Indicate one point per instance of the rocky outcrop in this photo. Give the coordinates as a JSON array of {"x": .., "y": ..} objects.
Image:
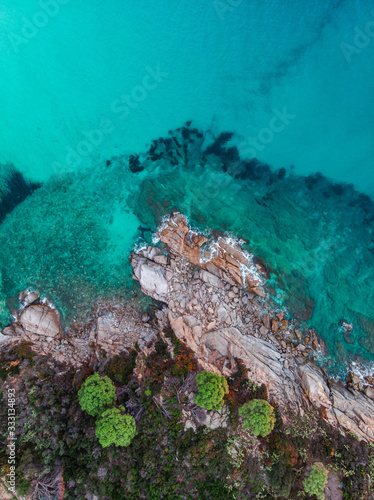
[
  {"x": 222, "y": 258},
  {"x": 113, "y": 328},
  {"x": 220, "y": 317},
  {"x": 35, "y": 321}
]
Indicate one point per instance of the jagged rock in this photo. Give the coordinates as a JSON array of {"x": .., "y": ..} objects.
[
  {"x": 353, "y": 380},
  {"x": 314, "y": 340},
  {"x": 263, "y": 330},
  {"x": 161, "y": 259},
  {"x": 266, "y": 321},
  {"x": 369, "y": 391},
  {"x": 190, "y": 424},
  {"x": 118, "y": 328},
  {"x": 150, "y": 252},
  {"x": 225, "y": 263},
  {"x": 218, "y": 418},
  {"x": 9, "y": 331},
  {"x": 146, "y": 338},
  {"x": 274, "y": 325},
  {"x": 212, "y": 419},
  {"x": 222, "y": 314},
  {"x": 298, "y": 334},
  {"x": 348, "y": 327},
  {"x": 313, "y": 383},
  {"x": 211, "y": 279}
]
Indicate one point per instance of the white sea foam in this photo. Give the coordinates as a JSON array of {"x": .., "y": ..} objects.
[
  {"x": 139, "y": 246},
  {"x": 213, "y": 247},
  {"x": 362, "y": 371},
  {"x": 163, "y": 224}
]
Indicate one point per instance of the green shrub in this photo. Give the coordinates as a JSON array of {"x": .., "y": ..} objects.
[
  {"x": 212, "y": 389},
  {"x": 280, "y": 478},
  {"x": 115, "y": 427},
  {"x": 316, "y": 482},
  {"x": 96, "y": 394},
  {"x": 258, "y": 417}
]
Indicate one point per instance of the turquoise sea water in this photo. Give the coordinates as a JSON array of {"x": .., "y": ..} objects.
[{"x": 83, "y": 84}]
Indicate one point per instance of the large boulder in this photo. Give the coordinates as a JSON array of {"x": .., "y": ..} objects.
[
  {"x": 151, "y": 276},
  {"x": 41, "y": 319}
]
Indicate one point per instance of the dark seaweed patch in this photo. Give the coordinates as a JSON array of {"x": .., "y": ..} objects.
[
  {"x": 135, "y": 165},
  {"x": 15, "y": 191}
]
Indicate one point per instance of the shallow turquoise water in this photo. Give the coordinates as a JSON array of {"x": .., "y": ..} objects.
[{"x": 82, "y": 84}]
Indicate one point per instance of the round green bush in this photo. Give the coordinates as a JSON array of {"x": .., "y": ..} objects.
[
  {"x": 212, "y": 389},
  {"x": 258, "y": 417},
  {"x": 115, "y": 427},
  {"x": 316, "y": 482},
  {"x": 96, "y": 394}
]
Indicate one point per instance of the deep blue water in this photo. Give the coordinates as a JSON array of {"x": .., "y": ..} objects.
[{"x": 83, "y": 84}]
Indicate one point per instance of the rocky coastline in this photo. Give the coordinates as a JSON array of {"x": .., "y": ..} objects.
[
  {"x": 212, "y": 295},
  {"x": 214, "y": 307}
]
